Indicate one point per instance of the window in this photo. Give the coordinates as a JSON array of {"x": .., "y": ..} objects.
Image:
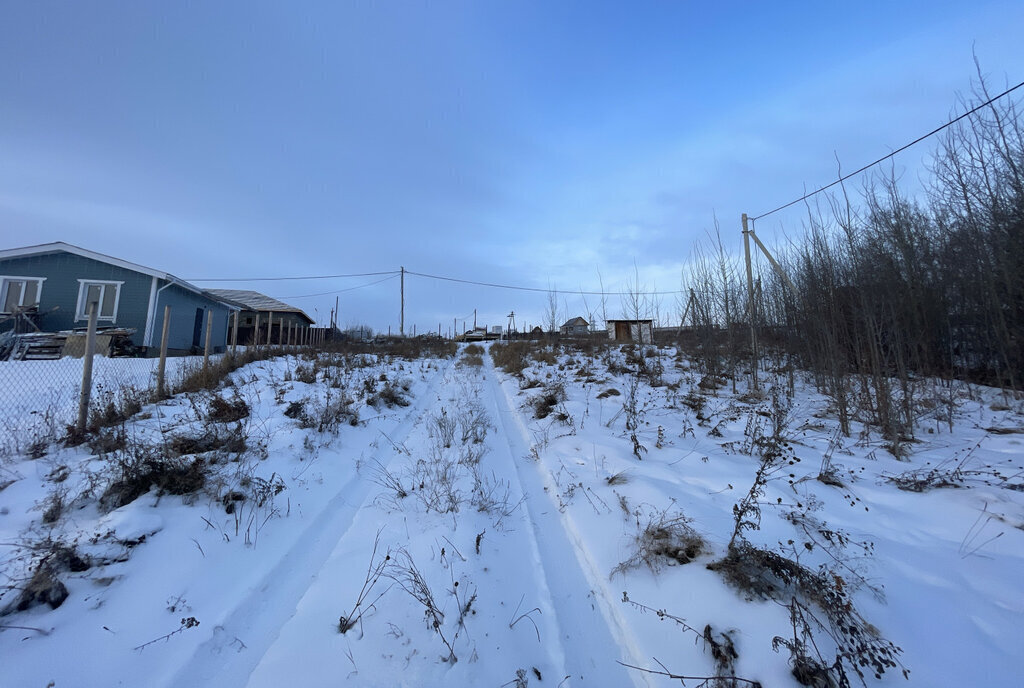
[
  {"x": 104, "y": 294},
  {"x": 18, "y": 292}
]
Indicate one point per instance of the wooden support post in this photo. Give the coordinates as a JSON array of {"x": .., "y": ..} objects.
[
  {"x": 270, "y": 328},
  {"x": 161, "y": 368},
  {"x": 750, "y": 304},
  {"x": 256, "y": 332},
  {"x": 234, "y": 334},
  {"x": 90, "y": 350}
]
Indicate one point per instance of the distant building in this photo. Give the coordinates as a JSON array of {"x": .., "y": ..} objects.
[
  {"x": 257, "y": 307},
  {"x": 574, "y": 328},
  {"x": 641, "y": 331}
]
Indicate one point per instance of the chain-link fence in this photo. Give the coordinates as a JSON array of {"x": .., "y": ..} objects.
[
  {"x": 42, "y": 380},
  {"x": 39, "y": 400}
]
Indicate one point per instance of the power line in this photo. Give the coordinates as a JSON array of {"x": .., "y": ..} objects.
[
  {"x": 340, "y": 291},
  {"x": 391, "y": 274},
  {"x": 281, "y": 279},
  {"x": 539, "y": 289},
  {"x": 898, "y": 150}
]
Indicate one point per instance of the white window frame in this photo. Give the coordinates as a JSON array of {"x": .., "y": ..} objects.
[
  {"x": 5, "y": 281},
  {"x": 83, "y": 290}
]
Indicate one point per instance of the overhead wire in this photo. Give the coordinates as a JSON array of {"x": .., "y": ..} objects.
[
  {"x": 540, "y": 290},
  {"x": 340, "y": 291},
  {"x": 919, "y": 139},
  {"x": 307, "y": 277}
]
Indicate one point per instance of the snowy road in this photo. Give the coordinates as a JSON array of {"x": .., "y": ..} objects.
[{"x": 281, "y": 621}]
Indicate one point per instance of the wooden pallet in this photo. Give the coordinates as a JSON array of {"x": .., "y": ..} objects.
[{"x": 38, "y": 347}]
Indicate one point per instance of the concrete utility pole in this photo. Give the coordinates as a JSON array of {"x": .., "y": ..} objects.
[
  {"x": 401, "y": 322},
  {"x": 750, "y": 302}
]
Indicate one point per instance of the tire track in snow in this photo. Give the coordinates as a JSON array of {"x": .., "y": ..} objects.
[
  {"x": 269, "y": 604},
  {"x": 593, "y": 634}
]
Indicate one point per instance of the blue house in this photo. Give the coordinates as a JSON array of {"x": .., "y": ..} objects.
[{"x": 53, "y": 284}]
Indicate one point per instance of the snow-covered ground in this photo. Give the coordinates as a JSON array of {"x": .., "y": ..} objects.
[{"x": 395, "y": 522}]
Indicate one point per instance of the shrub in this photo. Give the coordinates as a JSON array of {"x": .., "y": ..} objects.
[
  {"x": 139, "y": 467},
  {"x": 545, "y": 402},
  {"x": 763, "y": 574},
  {"x": 44, "y": 586},
  {"x": 223, "y": 411},
  {"x": 390, "y": 395},
  {"x": 667, "y": 538},
  {"x": 510, "y": 357}
]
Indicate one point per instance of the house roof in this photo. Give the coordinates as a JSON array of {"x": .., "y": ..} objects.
[
  {"x": 60, "y": 246},
  {"x": 255, "y": 301},
  {"x": 576, "y": 322}
]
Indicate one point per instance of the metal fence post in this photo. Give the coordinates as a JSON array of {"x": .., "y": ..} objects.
[
  {"x": 90, "y": 349},
  {"x": 161, "y": 368}
]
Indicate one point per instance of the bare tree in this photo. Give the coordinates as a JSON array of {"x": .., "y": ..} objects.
[{"x": 551, "y": 314}]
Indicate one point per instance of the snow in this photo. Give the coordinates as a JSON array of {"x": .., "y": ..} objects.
[{"x": 514, "y": 534}]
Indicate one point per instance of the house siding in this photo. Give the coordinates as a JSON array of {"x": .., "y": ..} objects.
[
  {"x": 59, "y": 299},
  {"x": 184, "y": 305},
  {"x": 63, "y": 272}
]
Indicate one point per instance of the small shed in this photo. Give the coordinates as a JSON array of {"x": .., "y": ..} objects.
[
  {"x": 574, "y": 328},
  {"x": 640, "y": 331}
]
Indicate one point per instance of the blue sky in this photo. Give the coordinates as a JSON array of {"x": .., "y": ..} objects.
[{"x": 529, "y": 143}]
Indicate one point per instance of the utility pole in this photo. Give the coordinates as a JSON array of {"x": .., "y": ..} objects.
[
  {"x": 401, "y": 322},
  {"x": 474, "y": 318},
  {"x": 750, "y": 302},
  {"x": 335, "y": 312}
]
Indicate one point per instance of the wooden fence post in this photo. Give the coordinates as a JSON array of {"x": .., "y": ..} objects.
[
  {"x": 90, "y": 349},
  {"x": 206, "y": 347},
  {"x": 161, "y": 368}
]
